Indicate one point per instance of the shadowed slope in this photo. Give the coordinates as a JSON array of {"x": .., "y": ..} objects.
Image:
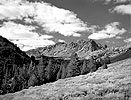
[
  {"x": 18, "y": 71},
  {"x": 12, "y": 62},
  {"x": 113, "y": 83},
  {"x": 121, "y": 56}
]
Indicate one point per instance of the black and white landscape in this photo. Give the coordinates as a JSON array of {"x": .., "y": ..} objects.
[{"x": 65, "y": 50}]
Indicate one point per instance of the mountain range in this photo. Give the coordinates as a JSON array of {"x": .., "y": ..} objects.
[
  {"x": 20, "y": 70},
  {"x": 113, "y": 83},
  {"x": 62, "y": 49}
]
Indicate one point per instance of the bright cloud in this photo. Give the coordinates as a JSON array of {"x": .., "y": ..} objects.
[
  {"x": 121, "y": 8},
  {"x": 111, "y": 30},
  {"x": 11, "y": 30},
  {"x": 61, "y": 40},
  {"x": 28, "y": 44},
  {"x": 127, "y": 40},
  {"x": 11, "y": 2},
  {"x": 124, "y": 9},
  {"x": 23, "y": 36},
  {"x": 51, "y": 18},
  {"x": 54, "y": 19},
  {"x": 15, "y": 10},
  {"x": 119, "y": 37}
]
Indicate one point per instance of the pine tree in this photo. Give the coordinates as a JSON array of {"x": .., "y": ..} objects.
[
  {"x": 85, "y": 67},
  {"x": 105, "y": 46},
  {"x": 48, "y": 72},
  {"x": 59, "y": 74},
  {"x": 92, "y": 65},
  {"x": 72, "y": 68}
]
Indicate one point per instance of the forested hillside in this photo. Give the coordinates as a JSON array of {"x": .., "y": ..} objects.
[
  {"x": 19, "y": 71},
  {"x": 113, "y": 83}
]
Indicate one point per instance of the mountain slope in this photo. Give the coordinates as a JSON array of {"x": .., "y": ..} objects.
[
  {"x": 12, "y": 62},
  {"x": 113, "y": 83},
  {"x": 62, "y": 49},
  {"x": 121, "y": 56},
  {"x": 19, "y": 71},
  {"x": 5, "y": 43}
]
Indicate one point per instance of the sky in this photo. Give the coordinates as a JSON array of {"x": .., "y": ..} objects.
[{"x": 38, "y": 23}]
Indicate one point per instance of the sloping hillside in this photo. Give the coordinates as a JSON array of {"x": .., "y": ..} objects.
[
  {"x": 6, "y": 44},
  {"x": 121, "y": 56},
  {"x": 12, "y": 63},
  {"x": 113, "y": 83}
]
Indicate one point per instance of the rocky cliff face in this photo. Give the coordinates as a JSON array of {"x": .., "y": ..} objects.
[
  {"x": 49, "y": 69},
  {"x": 19, "y": 71},
  {"x": 62, "y": 49}
]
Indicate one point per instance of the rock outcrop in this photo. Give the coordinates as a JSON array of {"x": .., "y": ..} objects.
[
  {"x": 62, "y": 49},
  {"x": 49, "y": 69}
]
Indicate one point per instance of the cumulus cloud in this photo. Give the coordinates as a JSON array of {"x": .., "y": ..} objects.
[
  {"x": 122, "y": 6},
  {"x": 11, "y": 30},
  {"x": 27, "y": 44},
  {"x": 14, "y": 10},
  {"x": 111, "y": 30},
  {"x": 24, "y": 36},
  {"x": 127, "y": 40},
  {"x": 124, "y": 9},
  {"x": 11, "y": 2},
  {"x": 54, "y": 19},
  {"x": 51, "y": 18}
]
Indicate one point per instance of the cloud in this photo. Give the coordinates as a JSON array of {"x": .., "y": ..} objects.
[
  {"x": 11, "y": 2},
  {"x": 28, "y": 44},
  {"x": 45, "y": 37},
  {"x": 14, "y": 10},
  {"x": 12, "y": 30},
  {"x": 124, "y": 9},
  {"x": 24, "y": 36},
  {"x": 110, "y": 30},
  {"x": 121, "y": 6},
  {"x": 54, "y": 19},
  {"x": 61, "y": 40},
  {"x": 127, "y": 40},
  {"x": 107, "y": 41},
  {"x": 119, "y": 37},
  {"x": 51, "y": 18}
]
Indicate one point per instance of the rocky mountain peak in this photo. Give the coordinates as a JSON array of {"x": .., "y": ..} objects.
[{"x": 66, "y": 49}]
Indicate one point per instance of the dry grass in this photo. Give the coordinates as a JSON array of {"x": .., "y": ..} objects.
[{"x": 113, "y": 83}]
